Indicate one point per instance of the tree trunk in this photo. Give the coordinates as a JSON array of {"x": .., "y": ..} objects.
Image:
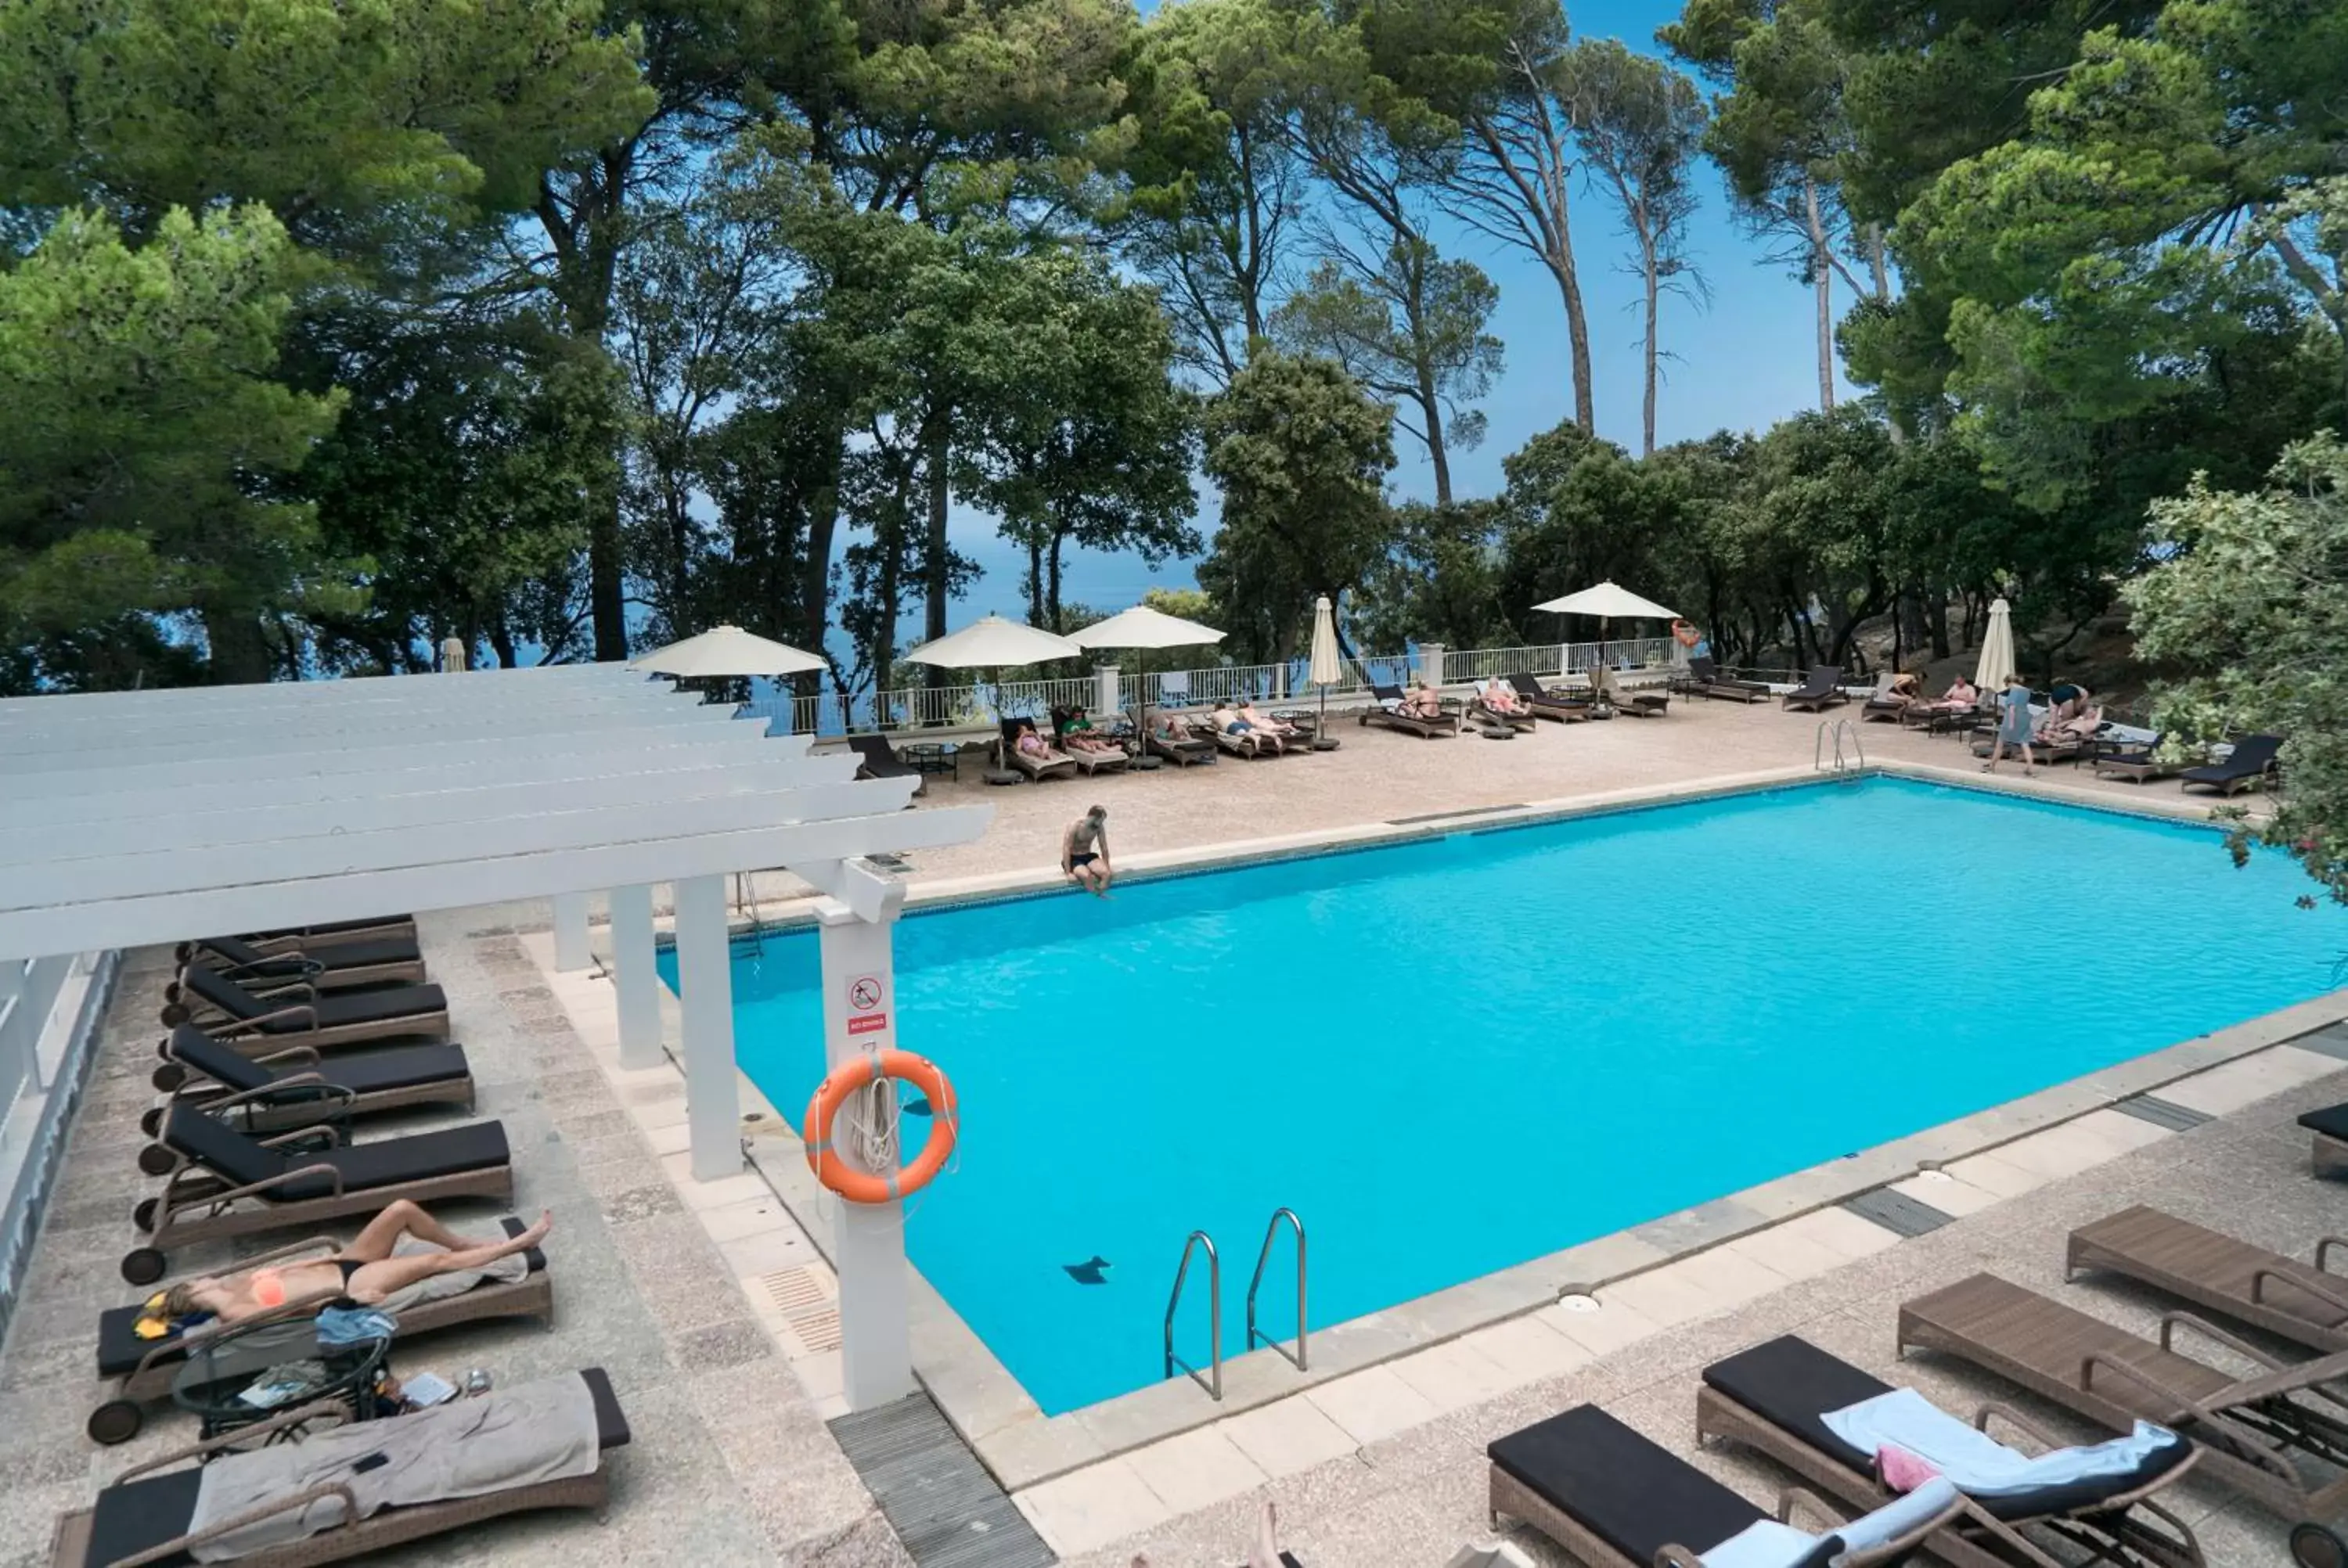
[
  {"x": 815, "y": 569},
  {"x": 1034, "y": 579},
  {"x": 1577, "y": 329},
  {"x": 239, "y": 652},
  {"x": 1431, "y": 401},
  {"x": 1052, "y": 591},
  {"x": 937, "y": 584},
  {"x": 1822, "y": 279},
  {"x": 1647, "y": 255},
  {"x": 1936, "y": 620}
]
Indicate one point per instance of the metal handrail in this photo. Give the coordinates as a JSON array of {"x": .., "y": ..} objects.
[
  {"x": 1263, "y": 1256},
  {"x": 1214, "y": 1315},
  {"x": 1856, "y": 762}
]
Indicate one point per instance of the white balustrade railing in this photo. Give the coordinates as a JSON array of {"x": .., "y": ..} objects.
[
  {"x": 966, "y": 703},
  {"x": 48, "y": 1019}
]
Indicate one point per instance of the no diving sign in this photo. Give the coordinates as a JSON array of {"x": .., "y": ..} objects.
[{"x": 866, "y": 1014}]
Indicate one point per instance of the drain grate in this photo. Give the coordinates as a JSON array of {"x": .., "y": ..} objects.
[
  {"x": 937, "y": 1497},
  {"x": 1897, "y": 1211},
  {"x": 2161, "y": 1113},
  {"x": 807, "y": 1305}
]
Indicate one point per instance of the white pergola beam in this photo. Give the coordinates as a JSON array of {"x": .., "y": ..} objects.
[
  {"x": 142, "y": 831},
  {"x": 548, "y": 771},
  {"x": 357, "y": 719},
  {"x": 260, "y": 749},
  {"x": 438, "y": 843},
  {"x": 290, "y": 695},
  {"x": 457, "y": 758},
  {"x": 161, "y": 918}
]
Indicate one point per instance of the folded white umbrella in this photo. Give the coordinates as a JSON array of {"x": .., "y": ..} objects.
[
  {"x": 1142, "y": 627},
  {"x": 1608, "y": 601},
  {"x": 994, "y": 643},
  {"x": 1996, "y": 648},
  {"x": 726, "y": 650},
  {"x": 1326, "y": 670}
]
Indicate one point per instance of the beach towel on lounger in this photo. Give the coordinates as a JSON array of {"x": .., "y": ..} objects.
[
  {"x": 1979, "y": 1464},
  {"x": 516, "y": 1437}
]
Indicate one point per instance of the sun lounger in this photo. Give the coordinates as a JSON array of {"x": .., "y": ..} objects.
[
  {"x": 2255, "y": 1433},
  {"x": 383, "y": 927},
  {"x": 224, "y": 1183},
  {"x": 2252, "y": 759},
  {"x": 1191, "y": 748},
  {"x": 2138, "y": 762},
  {"x": 1612, "y": 1499},
  {"x": 1394, "y": 718},
  {"x": 1091, "y": 762},
  {"x": 1823, "y": 689},
  {"x": 339, "y": 966},
  {"x": 1640, "y": 702},
  {"x": 1483, "y": 712},
  {"x": 2302, "y": 1303},
  {"x": 875, "y": 759},
  {"x": 1773, "y": 1397},
  {"x": 1051, "y": 764},
  {"x": 260, "y": 1022},
  {"x": 1706, "y": 678},
  {"x": 1566, "y": 707},
  {"x": 1886, "y": 703},
  {"x": 2063, "y": 746},
  {"x": 292, "y": 1087},
  {"x": 148, "y": 1513},
  {"x": 2329, "y": 1128},
  {"x": 141, "y": 1369}
]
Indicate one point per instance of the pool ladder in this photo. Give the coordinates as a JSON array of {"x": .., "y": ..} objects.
[
  {"x": 1853, "y": 761},
  {"x": 1211, "y": 1379}
]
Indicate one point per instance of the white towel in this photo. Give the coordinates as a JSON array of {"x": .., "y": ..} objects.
[
  {"x": 1765, "y": 1543},
  {"x": 1979, "y": 1464}
]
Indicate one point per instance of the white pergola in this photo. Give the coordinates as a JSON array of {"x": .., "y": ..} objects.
[{"x": 131, "y": 818}]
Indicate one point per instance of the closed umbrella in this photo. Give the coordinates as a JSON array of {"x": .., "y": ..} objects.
[
  {"x": 1144, "y": 628},
  {"x": 1326, "y": 669},
  {"x": 992, "y": 643},
  {"x": 726, "y": 650},
  {"x": 1996, "y": 648},
  {"x": 1608, "y": 602}
]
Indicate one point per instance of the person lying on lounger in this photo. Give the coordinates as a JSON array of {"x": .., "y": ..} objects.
[
  {"x": 1172, "y": 726},
  {"x": 1231, "y": 722},
  {"x": 2079, "y": 726},
  {"x": 1080, "y": 736},
  {"x": 1500, "y": 698},
  {"x": 1031, "y": 744},
  {"x": 1279, "y": 730},
  {"x": 362, "y": 1273},
  {"x": 1962, "y": 695}
]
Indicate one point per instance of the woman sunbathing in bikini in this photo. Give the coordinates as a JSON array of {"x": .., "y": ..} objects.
[
  {"x": 363, "y": 1273},
  {"x": 1420, "y": 702},
  {"x": 1501, "y": 699}
]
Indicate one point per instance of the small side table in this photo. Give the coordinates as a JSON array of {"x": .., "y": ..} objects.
[{"x": 211, "y": 1384}]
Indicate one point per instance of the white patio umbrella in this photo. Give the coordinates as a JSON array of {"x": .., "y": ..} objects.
[
  {"x": 726, "y": 650},
  {"x": 1142, "y": 627},
  {"x": 1608, "y": 602},
  {"x": 1996, "y": 648},
  {"x": 1326, "y": 669},
  {"x": 992, "y": 643}
]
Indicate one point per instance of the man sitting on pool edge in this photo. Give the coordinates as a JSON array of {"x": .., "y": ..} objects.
[{"x": 1083, "y": 852}]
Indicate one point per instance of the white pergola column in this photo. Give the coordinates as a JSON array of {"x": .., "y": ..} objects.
[
  {"x": 634, "y": 977},
  {"x": 1430, "y": 665},
  {"x": 859, "y": 1015},
  {"x": 713, "y": 1101},
  {"x": 1105, "y": 691},
  {"x": 571, "y": 950}
]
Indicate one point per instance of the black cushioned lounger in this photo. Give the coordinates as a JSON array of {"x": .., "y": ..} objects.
[
  {"x": 1775, "y": 1397},
  {"x": 2330, "y": 1126},
  {"x": 222, "y": 1183},
  {"x": 293, "y": 1089},
  {"x": 297, "y": 1015},
  {"x": 2246, "y": 765},
  {"x": 366, "y": 961},
  {"x": 144, "y": 1513}
]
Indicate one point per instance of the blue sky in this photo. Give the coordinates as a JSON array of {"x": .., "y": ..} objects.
[{"x": 1746, "y": 359}]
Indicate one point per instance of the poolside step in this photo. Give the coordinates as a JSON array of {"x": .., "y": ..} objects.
[
  {"x": 2161, "y": 1113},
  {"x": 1897, "y": 1211},
  {"x": 937, "y": 1497}
]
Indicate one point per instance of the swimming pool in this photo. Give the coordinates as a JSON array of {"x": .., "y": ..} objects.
[{"x": 1458, "y": 1054}]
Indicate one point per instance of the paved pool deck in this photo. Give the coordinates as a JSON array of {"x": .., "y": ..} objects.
[{"x": 712, "y": 1308}]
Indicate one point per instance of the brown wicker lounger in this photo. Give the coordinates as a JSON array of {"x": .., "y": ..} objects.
[
  {"x": 2329, "y": 1128},
  {"x": 262, "y": 1023},
  {"x": 222, "y": 1183},
  {"x": 1418, "y": 725},
  {"x": 2304, "y": 1304},
  {"x": 1565, "y": 707},
  {"x": 141, "y": 1369},
  {"x": 143, "y": 1515},
  {"x": 1614, "y": 1499},
  {"x": 341, "y": 966},
  {"x": 1482, "y": 713},
  {"x": 1773, "y": 1397},
  {"x": 292, "y": 1087},
  {"x": 2253, "y": 1431}
]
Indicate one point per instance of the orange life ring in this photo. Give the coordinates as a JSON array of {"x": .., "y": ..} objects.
[
  {"x": 862, "y": 1186},
  {"x": 1688, "y": 635}
]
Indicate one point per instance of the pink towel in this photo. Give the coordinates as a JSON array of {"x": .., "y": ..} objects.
[{"x": 1901, "y": 1471}]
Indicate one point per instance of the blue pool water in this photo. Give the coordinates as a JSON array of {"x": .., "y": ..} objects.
[{"x": 1456, "y": 1055}]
